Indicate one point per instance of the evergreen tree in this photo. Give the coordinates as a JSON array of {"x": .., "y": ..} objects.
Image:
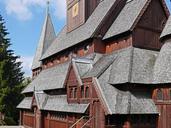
[{"x": 11, "y": 78}]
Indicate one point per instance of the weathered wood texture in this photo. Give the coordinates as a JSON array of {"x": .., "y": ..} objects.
[
  {"x": 85, "y": 9},
  {"x": 147, "y": 32},
  {"x": 162, "y": 98}
]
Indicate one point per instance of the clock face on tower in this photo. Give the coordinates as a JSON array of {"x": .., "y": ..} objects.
[{"x": 75, "y": 10}]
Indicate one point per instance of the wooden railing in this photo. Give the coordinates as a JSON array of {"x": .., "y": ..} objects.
[
  {"x": 87, "y": 122},
  {"x": 78, "y": 121}
]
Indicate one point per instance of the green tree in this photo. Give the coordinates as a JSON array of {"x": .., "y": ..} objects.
[{"x": 11, "y": 78}]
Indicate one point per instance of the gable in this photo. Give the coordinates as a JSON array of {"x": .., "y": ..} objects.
[
  {"x": 72, "y": 78},
  {"x": 34, "y": 103},
  {"x": 150, "y": 25},
  {"x": 126, "y": 18}
]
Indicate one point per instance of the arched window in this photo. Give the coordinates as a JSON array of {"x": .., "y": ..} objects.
[
  {"x": 71, "y": 93},
  {"x": 170, "y": 93},
  {"x": 159, "y": 94},
  {"x": 86, "y": 92},
  {"x": 82, "y": 92},
  {"x": 75, "y": 93}
]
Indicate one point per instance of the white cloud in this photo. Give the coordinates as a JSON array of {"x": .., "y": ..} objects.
[
  {"x": 23, "y": 10},
  {"x": 26, "y": 64}
]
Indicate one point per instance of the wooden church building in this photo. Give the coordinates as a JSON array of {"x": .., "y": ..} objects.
[{"x": 109, "y": 67}]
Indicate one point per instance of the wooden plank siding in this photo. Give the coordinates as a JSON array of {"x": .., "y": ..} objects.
[
  {"x": 147, "y": 32},
  {"x": 162, "y": 98}
]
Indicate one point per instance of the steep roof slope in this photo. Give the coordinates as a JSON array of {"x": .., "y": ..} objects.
[
  {"x": 126, "y": 18},
  {"x": 46, "y": 37},
  {"x": 167, "y": 29},
  {"x": 53, "y": 103},
  {"x": 128, "y": 65},
  {"x": 84, "y": 32},
  {"x": 52, "y": 78},
  {"x": 129, "y": 17},
  {"x": 122, "y": 102}
]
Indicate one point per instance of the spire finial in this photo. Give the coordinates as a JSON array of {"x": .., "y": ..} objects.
[{"x": 48, "y": 3}]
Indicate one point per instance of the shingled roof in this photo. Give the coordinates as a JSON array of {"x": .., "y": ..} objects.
[
  {"x": 59, "y": 103},
  {"x": 122, "y": 102},
  {"x": 25, "y": 103},
  {"x": 53, "y": 103},
  {"x": 162, "y": 68},
  {"x": 129, "y": 65},
  {"x": 126, "y": 18},
  {"x": 48, "y": 79},
  {"x": 123, "y": 23},
  {"x": 167, "y": 29},
  {"x": 46, "y": 37},
  {"x": 65, "y": 40}
]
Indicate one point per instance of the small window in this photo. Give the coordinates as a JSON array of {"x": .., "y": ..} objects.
[
  {"x": 75, "y": 93},
  {"x": 71, "y": 93},
  {"x": 170, "y": 93},
  {"x": 82, "y": 92},
  {"x": 159, "y": 95},
  {"x": 86, "y": 92}
]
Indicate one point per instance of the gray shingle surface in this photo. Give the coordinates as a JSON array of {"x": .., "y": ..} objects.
[
  {"x": 143, "y": 66},
  {"x": 129, "y": 65},
  {"x": 52, "y": 78},
  {"x": 141, "y": 103},
  {"x": 101, "y": 65},
  {"x": 122, "y": 102},
  {"x": 46, "y": 37},
  {"x": 167, "y": 29},
  {"x": 121, "y": 67},
  {"x": 83, "y": 68},
  {"x": 41, "y": 99},
  {"x": 86, "y": 31},
  {"x": 116, "y": 102},
  {"x": 126, "y": 18},
  {"x": 53, "y": 103},
  {"x": 59, "y": 103},
  {"x": 162, "y": 68},
  {"x": 133, "y": 65},
  {"x": 25, "y": 103}
]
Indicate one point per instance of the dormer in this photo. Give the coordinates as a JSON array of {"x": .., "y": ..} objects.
[{"x": 78, "y": 12}]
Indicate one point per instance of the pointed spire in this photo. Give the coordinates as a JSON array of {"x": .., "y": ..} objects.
[
  {"x": 46, "y": 38},
  {"x": 47, "y": 9}
]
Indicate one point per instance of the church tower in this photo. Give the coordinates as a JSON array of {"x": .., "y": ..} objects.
[
  {"x": 78, "y": 12},
  {"x": 46, "y": 38}
]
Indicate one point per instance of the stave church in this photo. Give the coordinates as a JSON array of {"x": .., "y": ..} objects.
[{"x": 109, "y": 67}]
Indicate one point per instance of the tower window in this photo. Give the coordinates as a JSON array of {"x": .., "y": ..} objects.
[{"x": 159, "y": 95}]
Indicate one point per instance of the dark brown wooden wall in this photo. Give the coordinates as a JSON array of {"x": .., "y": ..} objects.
[
  {"x": 86, "y": 7},
  {"x": 147, "y": 32},
  {"x": 28, "y": 119}
]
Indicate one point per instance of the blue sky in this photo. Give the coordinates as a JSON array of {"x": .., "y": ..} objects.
[{"x": 24, "y": 19}]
